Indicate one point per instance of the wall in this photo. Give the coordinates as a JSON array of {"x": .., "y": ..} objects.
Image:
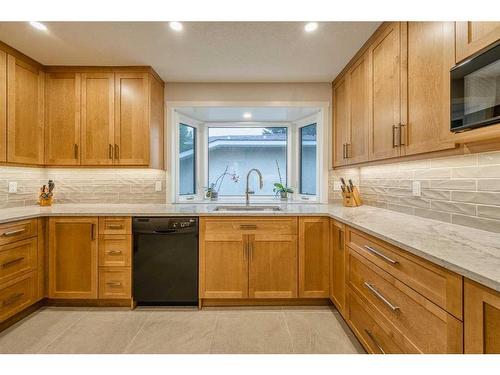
[
  {"x": 85, "y": 185},
  {"x": 463, "y": 190}
]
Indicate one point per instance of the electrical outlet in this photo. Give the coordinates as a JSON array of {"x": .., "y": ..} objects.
[
  {"x": 13, "y": 187},
  {"x": 416, "y": 189},
  {"x": 158, "y": 186},
  {"x": 336, "y": 185}
]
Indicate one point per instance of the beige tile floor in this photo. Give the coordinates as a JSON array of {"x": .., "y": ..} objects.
[{"x": 167, "y": 330}]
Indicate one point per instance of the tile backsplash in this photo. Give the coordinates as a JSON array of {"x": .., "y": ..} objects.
[
  {"x": 462, "y": 189},
  {"x": 82, "y": 185}
]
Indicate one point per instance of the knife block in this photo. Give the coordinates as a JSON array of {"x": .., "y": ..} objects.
[
  {"x": 45, "y": 201},
  {"x": 352, "y": 199}
]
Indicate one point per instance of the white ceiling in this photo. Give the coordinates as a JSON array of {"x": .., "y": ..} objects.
[
  {"x": 202, "y": 52},
  {"x": 235, "y": 114}
]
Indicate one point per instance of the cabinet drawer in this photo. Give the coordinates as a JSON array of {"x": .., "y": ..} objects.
[
  {"x": 261, "y": 225},
  {"x": 376, "y": 334},
  {"x": 115, "y": 225},
  {"x": 114, "y": 283},
  {"x": 115, "y": 250},
  {"x": 17, "y": 259},
  {"x": 16, "y": 295},
  {"x": 18, "y": 230},
  {"x": 442, "y": 287},
  {"x": 427, "y": 326}
]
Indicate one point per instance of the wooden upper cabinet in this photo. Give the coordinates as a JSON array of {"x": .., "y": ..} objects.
[
  {"x": 131, "y": 131},
  {"x": 62, "y": 118},
  {"x": 337, "y": 265},
  {"x": 481, "y": 319},
  {"x": 314, "y": 257},
  {"x": 73, "y": 257},
  {"x": 430, "y": 57},
  {"x": 24, "y": 113},
  {"x": 340, "y": 121},
  {"x": 3, "y": 107},
  {"x": 386, "y": 56},
  {"x": 97, "y": 119},
  {"x": 359, "y": 111},
  {"x": 272, "y": 270},
  {"x": 472, "y": 37}
]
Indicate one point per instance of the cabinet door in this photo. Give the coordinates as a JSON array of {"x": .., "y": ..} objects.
[
  {"x": 430, "y": 57},
  {"x": 24, "y": 112},
  {"x": 73, "y": 258},
  {"x": 471, "y": 37},
  {"x": 224, "y": 266},
  {"x": 97, "y": 118},
  {"x": 273, "y": 266},
  {"x": 359, "y": 111},
  {"x": 385, "y": 70},
  {"x": 131, "y": 119},
  {"x": 481, "y": 319},
  {"x": 337, "y": 261},
  {"x": 3, "y": 107},
  {"x": 62, "y": 118},
  {"x": 314, "y": 257},
  {"x": 340, "y": 121}
]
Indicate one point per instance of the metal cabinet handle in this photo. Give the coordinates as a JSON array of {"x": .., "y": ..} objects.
[
  {"x": 11, "y": 262},
  {"x": 341, "y": 240},
  {"x": 248, "y": 226},
  {"x": 347, "y": 150},
  {"x": 114, "y": 226},
  {"x": 76, "y": 151},
  {"x": 92, "y": 231},
  {"x": 380, "y": 255},
  {"x": 117, "y": 152},
  {"x": 245, "y": 250},
  {"x": 381, "y": 297},
  {"x": 250, "y": 246},
  {"x": 110, "y": 151},
  {"x": 114, "y": 283},
  {"x": 114, "y": 252},
  {"x": 394, "y": 142},
  {"x": 370, "y": 335},
  {"x": 402, "y": 138},
  {"x": 13, "y": 232},
  {"x": 13, "y": 298}
]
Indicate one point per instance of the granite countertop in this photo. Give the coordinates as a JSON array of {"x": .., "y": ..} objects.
[{"x": 470, "y": 252}]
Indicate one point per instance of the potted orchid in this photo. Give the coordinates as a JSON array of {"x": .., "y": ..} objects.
[
  {"x": 212, "y": 191},
  {"x": 280, "y": 188}
]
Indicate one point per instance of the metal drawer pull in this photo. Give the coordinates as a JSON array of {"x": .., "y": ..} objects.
[
  {"x": 13, "y": 298},
  {"x": 13, "y": 233},
  {"x": 379, "y": 254},
  {"x": 114, "y": 283},
  {"x": 381, "y": 297},
  {"x": 370, "y": 335},
  {"x": 115, "y": 226},
  {"x": 248, "y": 226},
  {"x": 394, "y": 142},
  {"x": 114, "y": 252},
  {"x": 250, "y": 244},
  {"x": 11, "y": 262}
]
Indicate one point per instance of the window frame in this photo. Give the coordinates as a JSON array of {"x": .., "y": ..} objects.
[
  {"x": 195, "y": 160},
  {"x": 299, "y": 161}
]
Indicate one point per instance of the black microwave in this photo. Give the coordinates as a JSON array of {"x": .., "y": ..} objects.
[{"x": 475, "y": 91}]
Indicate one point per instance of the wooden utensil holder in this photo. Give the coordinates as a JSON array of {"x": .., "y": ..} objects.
[
  {"x": 45, "y": 201},
  {"x": 351, "y": 199}
]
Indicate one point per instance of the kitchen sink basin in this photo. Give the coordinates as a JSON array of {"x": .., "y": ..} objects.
[{"x": 247, "y": 208}]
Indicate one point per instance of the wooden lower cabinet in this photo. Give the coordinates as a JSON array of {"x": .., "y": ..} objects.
[
  {"x": 17, "y": 294},
  {"x": 337, "y": 265},
  {"x": 115, "y": 283},
  {"x": 314, "y": 257},
  {"x": 73, "y": 257},
  {"x": 481, "y": 319}
]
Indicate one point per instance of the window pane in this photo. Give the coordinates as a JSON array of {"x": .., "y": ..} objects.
[
  {"x": 187, "y": 160},
  {"x": 308, "y": 144},
  {"x": 236, "y": 150}
]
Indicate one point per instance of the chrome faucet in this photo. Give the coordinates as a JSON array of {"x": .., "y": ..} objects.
[{"x": 248, "y": 191}]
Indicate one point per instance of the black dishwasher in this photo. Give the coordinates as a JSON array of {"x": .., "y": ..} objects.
[{"x": 165, "y": 261}]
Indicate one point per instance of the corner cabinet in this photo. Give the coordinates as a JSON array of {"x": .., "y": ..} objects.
[
  {"x": 73, "y": 258},
  {"x": 482, "y": 319},
  {"x": 25, "y": 87},
  {"x": 337, "y": 265},
  {"x": 473, "y": 36}
]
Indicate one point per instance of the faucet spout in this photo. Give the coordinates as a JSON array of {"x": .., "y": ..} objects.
[{"x": 248, "y": 191}]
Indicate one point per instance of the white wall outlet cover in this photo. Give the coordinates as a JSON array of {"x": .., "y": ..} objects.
[
  {"x": 336, "y": 185},
  {"x": 13, "y": 187},
  {"x": 158, "y": 186},
  {"x": 416, "y": 189}
]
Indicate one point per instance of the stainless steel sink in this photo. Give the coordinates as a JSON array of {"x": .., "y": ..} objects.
[{"x": 247, "y": 208}]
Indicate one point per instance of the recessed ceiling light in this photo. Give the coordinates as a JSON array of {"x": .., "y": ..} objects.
[
  {"x": 247, "y": 115},
  {"x": 174, "y": 25},
  {"x": 38, "y": 25},
  {"x": 310, "y": 27}
]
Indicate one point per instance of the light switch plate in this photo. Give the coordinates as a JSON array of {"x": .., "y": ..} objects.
[
  {"x": 158, "y": 186},
  {"x": 416, "y": 189},
  {"x": 13, "y": 187}
]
